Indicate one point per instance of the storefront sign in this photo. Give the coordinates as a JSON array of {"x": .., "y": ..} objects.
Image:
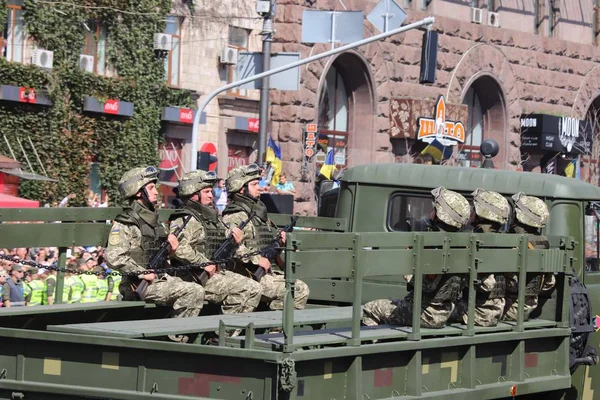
[
  {"x": 310, "y": 140},
  {"x": 238, "y": 156},
  {"x": 170, "y": 167},
  {"x": 110, "y": 106},
  {"x": 24, "y": 95},
  {"x": 247, "y": 124},
  {"x": 406, "y": 115},
  {"x": 551, "y": 133},
  {"x": 438, "y": 127},
  {"x": 181, "y": 115}
]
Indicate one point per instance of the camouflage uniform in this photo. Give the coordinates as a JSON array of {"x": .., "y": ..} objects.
[
  {"x": 134, "y": 238},
  {"x": 492, "y": 210},
  {"x": 532, "y": 213},
  {"x": 202, "y": 235},
  {"x": 259, "y": 233},
  {"x": 440, "y": 292}
]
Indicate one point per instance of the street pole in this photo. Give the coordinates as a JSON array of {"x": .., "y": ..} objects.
[
  {"x": 422, "y": 23},
  {"x": 263, "y": 116}
]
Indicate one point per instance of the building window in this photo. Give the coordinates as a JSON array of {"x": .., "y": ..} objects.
[
  {"x": 95, "y": 45},
  {"x": 238, "y": 39},
  {"x": 13, "y": 35},
  {"x": 333, "y": 117},
  {"x": 469, "y": 155},
  {"x": 172, "y": 62}
]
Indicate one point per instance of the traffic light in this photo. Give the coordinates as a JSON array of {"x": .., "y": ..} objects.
[{"x": 204, "y": 160}]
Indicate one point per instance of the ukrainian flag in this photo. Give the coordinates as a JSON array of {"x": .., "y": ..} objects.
[
  {"x": 328, "y": 168},
  {"x": 570, "y": 168},
  {"x": 437, "y": 150},
  {"x": 273, "y": 156}
]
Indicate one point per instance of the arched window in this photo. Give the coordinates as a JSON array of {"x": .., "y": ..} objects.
[
  {"x": 333, "y": 116},
  {"x": 469, "y": 155}
]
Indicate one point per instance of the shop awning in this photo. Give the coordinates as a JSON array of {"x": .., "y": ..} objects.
[
  {"x": 26, "y": 175},
  {"x": 8, "y": 201}
]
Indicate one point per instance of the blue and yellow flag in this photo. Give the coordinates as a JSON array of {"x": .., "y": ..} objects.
[
  {"x": 570, "y": 168},
  {"x": 273, "y": 156},
  {"x": 328, "y": 168},
  {"x": 438, "y": 151}
]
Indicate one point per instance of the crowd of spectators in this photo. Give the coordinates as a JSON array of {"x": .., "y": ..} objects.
[{"x": 24, "y": 285}]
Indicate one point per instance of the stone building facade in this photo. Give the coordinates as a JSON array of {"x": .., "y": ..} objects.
[{"x": 500, "y": 75}]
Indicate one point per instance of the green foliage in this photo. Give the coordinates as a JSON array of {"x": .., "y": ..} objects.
[{"x": 67, "y": 139}]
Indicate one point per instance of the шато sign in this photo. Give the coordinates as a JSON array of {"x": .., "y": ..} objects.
[
  {"x": 550, "y": 133},
  {"x": 438, "y": 127}
]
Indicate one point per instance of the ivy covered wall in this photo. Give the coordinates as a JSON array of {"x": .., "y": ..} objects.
[{"x": 66, "y": 139}]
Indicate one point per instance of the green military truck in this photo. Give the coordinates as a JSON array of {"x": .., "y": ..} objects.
[{"x": 364, "y": 240}]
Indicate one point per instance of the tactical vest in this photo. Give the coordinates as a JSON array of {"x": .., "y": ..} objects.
[
  {"x": 448, "y": 290},
  {"x": 499, "y": 291},
  {"x": 77, "y": 287},
  {"x": 102, "y": 286},
  {"x": 37, "y": 292},
  {"x": 16, "y": 293},
  {"x": 214, "y": 232},
  {"x": 90, "y": 292},
  {"x": 152, "y": 237},
  {"x": 116, "y": 281},
  {"x": 264, "y": 234}
]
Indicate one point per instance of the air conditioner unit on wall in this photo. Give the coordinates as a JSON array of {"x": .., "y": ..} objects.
[
  {"x": 229, "y": 55},
  {"x": 43, "y": 58},
  {"x": 162, "y": 41},
  {"x": 477, "y": 15},
  {"x": 86, "y": 63},
  {"x": 493, "y": 19}
]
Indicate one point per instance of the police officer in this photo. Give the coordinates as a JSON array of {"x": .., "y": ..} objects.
[
  {"x": 135, "y": 236},
  {"x": 243, "y": 189},
  {"x": 491, "y": 214},
  {"x": 531, "y": 216},
  {"x": 33, "y": 288},
  {"x": 451, "y": 213},
  {"x": 201, "y": 236}
]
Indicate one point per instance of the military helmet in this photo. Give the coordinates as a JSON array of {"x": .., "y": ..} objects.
[
  {"x": 450, "y": 207},
  {"x": 491, "y": 205},
  {"x": 135, "y": 179},
  {"x": 239, "y": 176},
  {"x": 531, "y": 211},
  {"x": 194, "y": 181}
]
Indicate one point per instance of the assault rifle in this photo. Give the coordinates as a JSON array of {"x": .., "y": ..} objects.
[
  {"x": 159, "y": 258},
  {"x": 272, "y": 251},
  {"x": 225, "y": 250}
]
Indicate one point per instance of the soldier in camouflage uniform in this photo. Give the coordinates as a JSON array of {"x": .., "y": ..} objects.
[
  {"x": 243, "y": 189},
  {"x": 135, "y": 236},
  {"x": 451, "y": 213},
  {"x": 531, "y": 216},
  {"x": 202, "y": 235},
  {"x": 491, "y": 213}
]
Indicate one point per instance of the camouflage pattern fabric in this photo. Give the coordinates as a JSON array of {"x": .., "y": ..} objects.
[
  {"x": 186, "y": 298},
  {"x": 548, "y": 281},
  {"x": 491, "y": 206},
  {"x": 239, "y": 176},
  {"x": 194, "y": 181},
  {"x": 273, "y": 285},
  {"x": 133, "y": 180},
  {"x": 400, "y": 312},
  {"x": 235, "y": 292},
  {"x": 451, "y": 207},
  {"x": 487, "y": 311},
  {"x": 531, "y": 211}
]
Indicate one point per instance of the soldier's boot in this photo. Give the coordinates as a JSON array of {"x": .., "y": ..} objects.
[{"x": 179, "y": 338}]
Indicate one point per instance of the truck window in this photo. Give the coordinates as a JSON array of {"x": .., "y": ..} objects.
[
  {"x": 328, "y": 202},
  {"x": 408, "y": 213},
  {"x": 592, "y": 237}
]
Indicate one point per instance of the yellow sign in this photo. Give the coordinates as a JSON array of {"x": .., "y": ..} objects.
[{"x": 447, "y": 132}]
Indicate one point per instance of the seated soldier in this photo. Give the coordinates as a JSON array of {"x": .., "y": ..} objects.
[
  {"x": 440, "y": 292},
  {"x": 491, "y": 213},
  {"x": 531, "y": 216}
]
